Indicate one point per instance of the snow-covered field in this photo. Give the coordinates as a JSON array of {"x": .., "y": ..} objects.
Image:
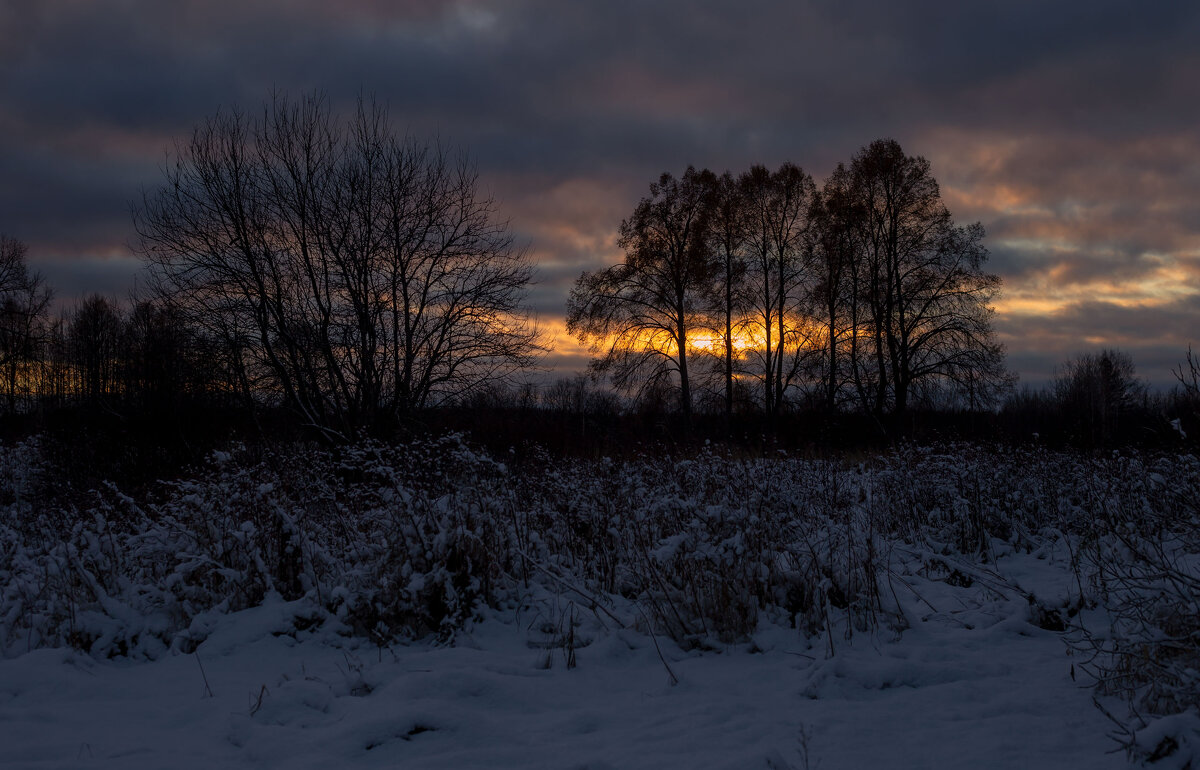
[
  {"x": 869, "y": 641},
  {"x": 971, "y": 684}
]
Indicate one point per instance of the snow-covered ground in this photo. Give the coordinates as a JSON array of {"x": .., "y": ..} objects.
[
  {"x": 972, "y": 682},
  {"x": 925, "y": 607}
]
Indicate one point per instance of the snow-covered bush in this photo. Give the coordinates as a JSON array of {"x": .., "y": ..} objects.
[
  {"x": 410, "y": 541},
  {"x": 707, "y": 543},
  {"x": 1143, "y": 558},
  {"x": 431, "y": 536},
  {"x": 397, "y": 541}
]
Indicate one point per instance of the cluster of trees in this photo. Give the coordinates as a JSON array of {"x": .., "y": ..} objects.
[
  {"x": 861, "y": 294},
  {"x": 1097, "y": 400},
  {"x": 342, "y": 269},
  {"x": 1098, "y": 394},
  {"x": 24, "y": 300},
  {"x": 99, "y": 353},
  {"x": 333, "y": 267}
]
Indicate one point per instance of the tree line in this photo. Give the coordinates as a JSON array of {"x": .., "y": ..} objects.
[
  {"x": 354, "y": 277},
  {"x": 860, "y": 295},
  {"x": 145, "y": 358},
  {"x": 99, "y": 354}
]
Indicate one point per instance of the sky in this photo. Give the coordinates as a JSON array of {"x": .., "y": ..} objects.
[{"x": 1069, "y": 129}]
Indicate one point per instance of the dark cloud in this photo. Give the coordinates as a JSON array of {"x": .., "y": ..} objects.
[
  {"x": 1156, "y": 335},
  {"x": 1066, "y": 128},
  {"x": 78, "y": 276}
]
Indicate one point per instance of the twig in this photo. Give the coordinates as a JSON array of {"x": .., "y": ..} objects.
[
  {"x": 593, "y": 603},
  {"x": 674, "y": 680},
  {"x": 207, "y": 690},
  {"x": 255, "y": 705}
]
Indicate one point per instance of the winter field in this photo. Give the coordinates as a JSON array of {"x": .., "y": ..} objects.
[{"x": 433, "y": 607}]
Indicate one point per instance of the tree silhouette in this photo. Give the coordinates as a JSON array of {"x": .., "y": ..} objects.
[
  {"x": 728, "y": 231},
  {"x": 835, "y": 265},
  {"x": 858, "y": 295},
  {"x": 94, "y": 339},
  {"x": 24, "y": 300},
  {"x": 777, "y": 209},
  {"x": 357, "y": 274},
  {"x": 1098, "y": 394},
  {"x": 921, "y": 279},
  {"x": 637, "y": 316}
]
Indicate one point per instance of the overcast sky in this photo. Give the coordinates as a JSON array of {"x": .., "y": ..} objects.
[{"x": 1068, "y": 129}]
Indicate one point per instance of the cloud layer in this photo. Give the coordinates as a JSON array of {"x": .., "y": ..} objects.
[{"x": 1068, "y": 129}]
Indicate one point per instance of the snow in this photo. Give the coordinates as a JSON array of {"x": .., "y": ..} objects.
[
  {"x": 971, "y": 682},
  {"x": 926, "y": 607}
]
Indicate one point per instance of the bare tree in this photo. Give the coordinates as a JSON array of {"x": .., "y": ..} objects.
[
  {"x": 777, "y": 205},
  {"x": 578, "y": 395},
  {"x": 922, "y": 279},
  {"x": 1097, "y": 395},
  {"x": 639, "y": 316},
  {"x": 728, "y": 234},
  {"x": 165, "y": 361},
  {"x": 24, "y": 300},
  {"x": 835, "y": 245},
  {"x": 94, "y": 341},
  {"x": 13, "y": 271},
  {"x": 1188, "y": 374},
  {"x": 354, "y": 272},
  {"x": 1186, "y": 397}
]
